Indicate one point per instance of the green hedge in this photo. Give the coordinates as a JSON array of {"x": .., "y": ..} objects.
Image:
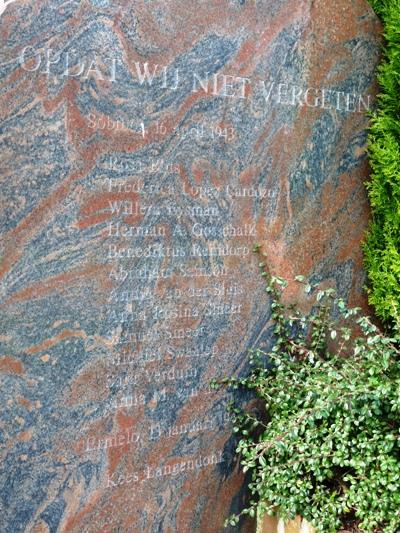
[{"x": 382, "y": 245}]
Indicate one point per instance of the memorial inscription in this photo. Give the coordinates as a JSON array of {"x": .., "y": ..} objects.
[{"x": 147, "y": 147}]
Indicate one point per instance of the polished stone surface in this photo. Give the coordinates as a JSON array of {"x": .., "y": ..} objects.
[{"x": 146, "y": 147}]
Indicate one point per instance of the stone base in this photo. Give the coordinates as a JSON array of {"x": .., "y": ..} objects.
[{"x": 269, "y": 524}]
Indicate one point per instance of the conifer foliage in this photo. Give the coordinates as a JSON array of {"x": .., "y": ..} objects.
[{"x": 382, "y": 245}]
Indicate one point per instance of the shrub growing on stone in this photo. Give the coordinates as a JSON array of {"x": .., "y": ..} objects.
[{"x": 329, "y": 445}]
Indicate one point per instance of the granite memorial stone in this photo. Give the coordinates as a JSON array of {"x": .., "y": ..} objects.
[{"x": 147, "y": 146}]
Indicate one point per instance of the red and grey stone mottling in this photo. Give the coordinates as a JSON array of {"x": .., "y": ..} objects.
[{"x": 107, "y": 421}]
